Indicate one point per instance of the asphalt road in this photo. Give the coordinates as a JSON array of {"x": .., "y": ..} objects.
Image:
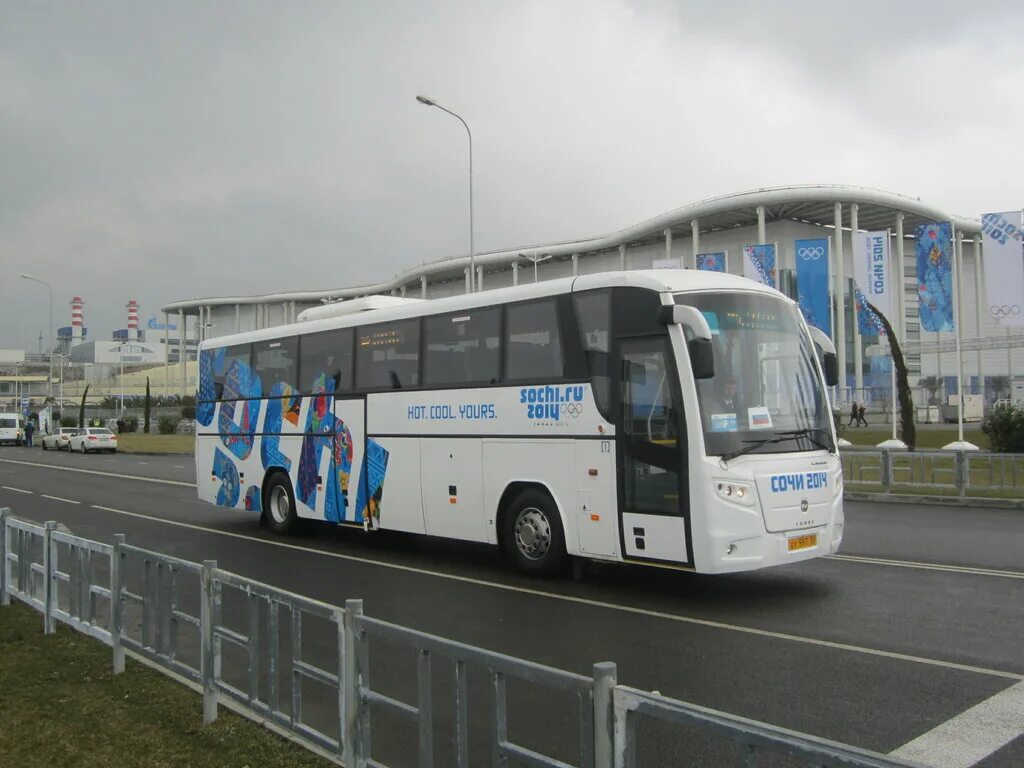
[{"x": 919, "y": 622}]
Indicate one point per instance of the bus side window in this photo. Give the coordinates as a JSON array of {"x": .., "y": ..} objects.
[
  {"x": 388, "y": 355},
  {"x": 462, "y": 348},
  {"x": 593, "y": 315},
  {"x": 329, "y": 355},
  {"x": 532, "y": 341},
  {"x": 276, "y": 361}
]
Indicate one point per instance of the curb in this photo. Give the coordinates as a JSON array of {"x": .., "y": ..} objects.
[{"x": 939, "y": 501}]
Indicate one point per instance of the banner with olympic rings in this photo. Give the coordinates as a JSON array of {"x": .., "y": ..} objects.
[
  {"x": 759, "y": 263},
  {"x": 813, "y": 295},
  {"x": 871, "y": 281},
  {"x": 1003, "y": 256},
  {"x": 935, "y": 275},
  {"x": 711, "y": 262}
]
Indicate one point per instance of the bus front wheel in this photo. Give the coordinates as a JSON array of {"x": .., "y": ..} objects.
[
  {"x": 280, "y": 504},
  {"x": 533, "y": 534}
]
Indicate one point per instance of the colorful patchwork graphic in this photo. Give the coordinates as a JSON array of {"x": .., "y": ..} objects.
[
  {"x": 253, "y": 499},
  {"x": 206, "y": 406},
  {"x": 239, "y": 382},
  {"x": 935, "y": 276},
  {"x": 371, "y": 483},
  {"x": 284, "y": 401},
  {"x": 225, "y": 470}
]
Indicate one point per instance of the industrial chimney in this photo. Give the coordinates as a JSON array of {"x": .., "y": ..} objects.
[{"x": 77, "y": 328}]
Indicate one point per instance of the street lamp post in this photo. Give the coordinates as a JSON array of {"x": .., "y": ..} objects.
[
  {"x": 49, "y": 382},
  {"x": 472, "y": 252}
]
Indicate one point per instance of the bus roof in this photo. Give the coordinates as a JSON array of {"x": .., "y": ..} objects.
[{"x": 660, "y": 280}]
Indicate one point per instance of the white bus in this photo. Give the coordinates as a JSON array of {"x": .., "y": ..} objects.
[{"x": 672, "y": 418}]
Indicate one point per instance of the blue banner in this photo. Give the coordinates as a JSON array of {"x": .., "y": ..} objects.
[
  {"x": 711, "y": 262},
  {"x": 759, "y": 263},
  {"x": 812, "y": 283},
  {"x": 935, "y": 276}
]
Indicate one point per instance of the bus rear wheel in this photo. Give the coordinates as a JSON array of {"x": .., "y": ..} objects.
[
  {"x": 533, "y": 534},
  {"x": 279, "y": 504}
]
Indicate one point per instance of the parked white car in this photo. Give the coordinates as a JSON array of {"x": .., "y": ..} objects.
[
  {"x": 93, "y": 439},
  {"x": 11, "y": 429},
  {"x": 59, "y": 440}
]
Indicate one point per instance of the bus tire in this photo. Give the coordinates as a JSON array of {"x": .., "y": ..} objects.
[
  {"x": 532, "y": 533},
  {"x": 279, "y": 504}
]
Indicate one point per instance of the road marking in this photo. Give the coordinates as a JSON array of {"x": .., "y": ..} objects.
[
  {"x": 583, "y": 600},
  {"x": 16, "y": 490},
  {"x": 179, "y": 466},
  {"x": 972, "y": 735},
  {"x": 58, "y": 498},
  {"x": 98, "y": 472},
  {"x": 928, "y": 566}
]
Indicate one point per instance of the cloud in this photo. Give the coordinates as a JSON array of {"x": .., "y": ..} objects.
[{"x": 167, "y": 151}]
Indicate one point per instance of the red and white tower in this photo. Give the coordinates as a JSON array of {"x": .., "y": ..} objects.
[
  {"x": 77, "y": 335},
  {"x": 133, "y": 320}
]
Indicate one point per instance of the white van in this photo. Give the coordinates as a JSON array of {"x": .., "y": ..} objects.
[{"x": 11, "y": 429}]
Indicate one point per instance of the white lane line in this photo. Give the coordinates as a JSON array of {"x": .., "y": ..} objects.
[
  {"x": 972, "y": 735},
  {"x": 928, "y": 566},
  {"x": 98, "y": 472},
  {"x": 58, "y": 498},
  {"x": 179, "y": 466},
  {"x": 16, "y": 490},
  {"x": 583, "y": 600}
]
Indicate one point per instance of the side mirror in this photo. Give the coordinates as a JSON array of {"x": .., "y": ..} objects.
[
  {"x": 830, "y": 363},
  {"x": 702, "y": 358}
]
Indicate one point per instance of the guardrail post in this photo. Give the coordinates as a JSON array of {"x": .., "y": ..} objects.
[
  {"x": 604, "y": 715},
  {"x": 961, "y": 473},
  {"x": 207, "y": 621},
  {"x": 886, "y": 471},
  {"x": 116, "y": 604},
  {"x": 5, "y": 598},
  {"x": 49, "y": 625},
  {"x": 350, "y": 682}
]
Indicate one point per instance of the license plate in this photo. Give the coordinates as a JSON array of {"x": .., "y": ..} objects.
[{"x": 803, "y": 542}]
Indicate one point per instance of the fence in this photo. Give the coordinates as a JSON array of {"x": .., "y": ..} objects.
[
  {"x": 179, "y": 615},
  {"x": 961, "y": 473}
]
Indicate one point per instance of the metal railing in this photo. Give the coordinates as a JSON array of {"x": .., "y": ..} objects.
[
  {"x": 187, "y": 618},
  {"x": 960, "y": 473}
]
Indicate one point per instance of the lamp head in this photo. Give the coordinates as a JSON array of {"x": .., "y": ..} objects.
[{"x": 425, "y": 100}]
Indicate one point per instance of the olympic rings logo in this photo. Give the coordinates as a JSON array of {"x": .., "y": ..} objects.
[
  {"x": 1006, "y": 310},
  {"x": 811, "y": 253},
  {"x": 572, "y": 409}
]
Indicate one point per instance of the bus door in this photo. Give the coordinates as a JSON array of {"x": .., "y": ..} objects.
[{"x": 653, "y": 496}]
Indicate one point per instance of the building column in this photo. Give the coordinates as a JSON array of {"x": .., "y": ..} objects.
[
  {"x": 668, "y": 243},
  {"x": 255, "y": 317},
  {"x": 465, "y": 274},
  {"x": 167, "y": 355},
  {"x": 979, "y": 302},
  {"x": 403, "y": 291},
  {"x": 480, "y": 278},
  {"x": 761, "y": 236},
  {"x": 423, "y": 287},
  {"x": 840, "y": 277},
  {"x": 695, "y": 235},
  {"x": 238, "y": 318},
  {"x": 622, "y": 257},
  {"x": 575, "y": 264},
  {"x": 182, "y": 348},
  {"x": 515, "y": 273},
  {"x": 858, "y": 342}
]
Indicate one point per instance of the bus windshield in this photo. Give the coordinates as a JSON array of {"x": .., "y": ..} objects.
[{"x": 766, "y": 394}]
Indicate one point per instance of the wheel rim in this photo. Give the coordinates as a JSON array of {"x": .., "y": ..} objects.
[
  {"x": 280, "y": 504},
  {"x": 533, "y": 533}
]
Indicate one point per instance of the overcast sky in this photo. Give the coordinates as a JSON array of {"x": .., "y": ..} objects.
[{"x": 162, "y": 151}]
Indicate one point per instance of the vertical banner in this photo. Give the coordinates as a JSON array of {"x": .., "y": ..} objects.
[
  {"x": 812, "y": 277},
  {"x": 711, "y": 262},
  {"x": 1004, "y": 266},
  {"x": 871, "y": 282},
  {"x": 935, "y": 275},
  {"x": 759, "y": 263}
]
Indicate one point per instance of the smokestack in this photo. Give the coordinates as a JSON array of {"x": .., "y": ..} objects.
[
  {"x": 133, "y": 320},
  {"x": 77, "y": 335}
]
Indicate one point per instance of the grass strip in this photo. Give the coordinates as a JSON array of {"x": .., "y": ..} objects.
[
  {"x": 131, "y": 442},
  {"x": 61, "y": 705}
]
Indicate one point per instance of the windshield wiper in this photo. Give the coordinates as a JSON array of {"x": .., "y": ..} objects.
[
  {"x": 808, "y": 433},
  {"x": 754, "y": 444}
]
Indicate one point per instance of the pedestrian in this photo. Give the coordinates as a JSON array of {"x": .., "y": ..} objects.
[
  {"x": 860, "y": 415},
  {"x": 853, "y": 415},
  {"x": 30, "y": 429}
]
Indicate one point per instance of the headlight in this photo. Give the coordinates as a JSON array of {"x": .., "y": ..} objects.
[{"x": 736, "y": 493}]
